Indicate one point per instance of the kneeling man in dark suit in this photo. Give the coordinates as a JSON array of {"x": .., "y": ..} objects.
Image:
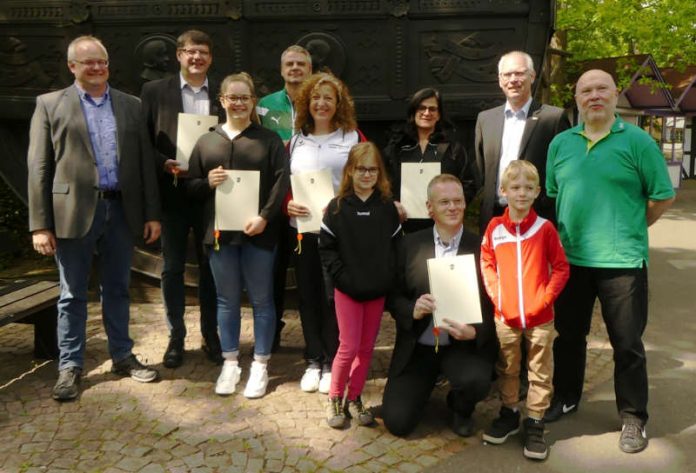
[{"x": 465, "y": 354}]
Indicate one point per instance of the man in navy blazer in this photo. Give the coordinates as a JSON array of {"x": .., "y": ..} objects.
[
  {"x": 463, "y": 353},
  {"x": 521, "y": 128},
  {"x": 190, "y": 91},
  {"x": 92, "y": 188}
]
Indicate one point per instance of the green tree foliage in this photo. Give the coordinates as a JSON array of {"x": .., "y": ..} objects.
[{"x": 592, "y": 29}]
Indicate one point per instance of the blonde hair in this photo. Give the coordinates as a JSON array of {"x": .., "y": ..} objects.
[
  {"x": 515, "y": 169},
  {"x": 345, "y": 109},
  {"x": 244, "y": 78},
  {"x": 296, "y": 48},
  {"x": 442, "y": 179}
]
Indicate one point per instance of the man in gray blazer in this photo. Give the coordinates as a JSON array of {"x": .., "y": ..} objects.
[
  {"x": 92, "y": 188},
  {"x": 521, "y": 128},
  {"x": 190, "y": 91}
]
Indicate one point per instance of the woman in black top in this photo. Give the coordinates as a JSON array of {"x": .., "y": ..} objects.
[
  {"x": 428, "y": 137},
  {"x": 242, "y": 258}
]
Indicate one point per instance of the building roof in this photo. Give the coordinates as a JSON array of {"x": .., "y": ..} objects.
[{"x": 645, "y": 86}]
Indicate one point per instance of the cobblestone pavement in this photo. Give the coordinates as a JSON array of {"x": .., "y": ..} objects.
[{"x": 179, "y": 425}]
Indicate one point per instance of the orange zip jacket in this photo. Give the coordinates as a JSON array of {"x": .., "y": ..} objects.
[{"x": 524, "y": 269}]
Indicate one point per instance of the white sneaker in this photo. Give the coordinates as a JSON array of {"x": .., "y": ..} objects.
[
  {"x": 258, "y": 380},
  {"x": 228, "y": 379},
  {"x": 325, "y": 382},
  {"x": 310, "y": 380}
]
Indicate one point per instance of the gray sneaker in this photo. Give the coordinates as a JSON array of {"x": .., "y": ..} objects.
[
  {"x": 633, "y": 438},
  {"x": 334, "y": 413},
  {"x": 135, "y": 369},
  {"x": 357, "y": 411},
  {"x": 67, "y": 387}
]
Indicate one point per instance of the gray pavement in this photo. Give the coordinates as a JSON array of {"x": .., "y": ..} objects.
[{"x": 178, "y": 424}]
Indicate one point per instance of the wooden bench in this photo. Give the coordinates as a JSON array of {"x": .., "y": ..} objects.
[{"x": 27, "y": 301}]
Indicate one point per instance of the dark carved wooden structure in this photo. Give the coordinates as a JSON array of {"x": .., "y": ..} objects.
[{"x": 384, "y": 50}]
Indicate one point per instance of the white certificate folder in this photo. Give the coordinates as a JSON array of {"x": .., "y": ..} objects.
[
  {"x": 236, "y": 200},
  {"x": 454, "y": 285},
  {"x": 313, "y": 189},
  {"x": 414, "y": 187},
  {"x": 189, "y": 128}
]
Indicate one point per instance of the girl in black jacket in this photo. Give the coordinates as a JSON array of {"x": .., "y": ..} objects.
[{"x": 356, "y": 245}]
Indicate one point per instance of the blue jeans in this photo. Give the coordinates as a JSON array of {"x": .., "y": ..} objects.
[
  {"x": 110, "y": 237},
  {"x": 247, "y": 266},
  {"x": 176, "y": 223}
]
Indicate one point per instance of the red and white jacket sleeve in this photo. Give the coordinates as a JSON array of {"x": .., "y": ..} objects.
[
  {"x": 489, "y": 267},
  {"x": 560, "y": 269}
]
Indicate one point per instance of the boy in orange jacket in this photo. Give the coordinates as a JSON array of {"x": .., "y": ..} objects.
[{"x": 524, "y": 270}]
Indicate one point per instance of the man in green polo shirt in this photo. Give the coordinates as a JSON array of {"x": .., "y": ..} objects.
[
  {"x": 277, "y": 113},
  {"x": 610, "y": 182}
]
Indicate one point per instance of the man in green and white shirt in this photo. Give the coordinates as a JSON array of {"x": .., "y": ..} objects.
[
  {"x": 276, "y": 110},
  {"x": 277, "y": 113}
]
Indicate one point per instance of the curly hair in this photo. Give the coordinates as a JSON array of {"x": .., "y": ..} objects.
[
  {"x": 345, "y": 109},
  {"x": 244, "y": 78}
]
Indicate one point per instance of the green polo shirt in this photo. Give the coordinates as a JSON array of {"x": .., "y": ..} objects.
[
  {"x": 276, "y": 113},
  {"x": 601, "y": 192}
]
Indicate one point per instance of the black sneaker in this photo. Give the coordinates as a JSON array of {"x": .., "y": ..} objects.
[
  {"x": 633, "y": 438},
  {"x": 558, "y": 409},
  {"x": 212, "y": 349},
  {"x": 335, "y": 416},
  {"x": 356, "y": 410},
  {"x": 135, "y": 369},
  {"x": 462, "y": 425},
  {"x": 67, "y": 387},
  {"x": 174, "y": 354},
  {"x": 507, "y": 424},
  {"x": 534, "y": 443}
]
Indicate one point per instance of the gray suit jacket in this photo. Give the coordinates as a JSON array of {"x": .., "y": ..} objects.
[
  {"x": 63, "y": 177},
  {"x": 543, "y": 123}
]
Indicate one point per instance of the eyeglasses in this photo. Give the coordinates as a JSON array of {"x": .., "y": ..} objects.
[
  {"x": 237, "y": 98},
  {"x": 445, "y": 203},
  {"x": 427, "y": 108},
  {"x": 515, "y": 74},
  {"x": 192, "y": 52},
  {"x": 93, "y": 62},
  {"x": 365, "y": 171}
]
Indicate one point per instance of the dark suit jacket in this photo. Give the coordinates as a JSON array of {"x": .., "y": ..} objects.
[
  {"x": 543, "y": 123},
  {"x": 161, "y": 107},
  {"x": 412, "y": 282},
  {"x": 63, "y": 176}
]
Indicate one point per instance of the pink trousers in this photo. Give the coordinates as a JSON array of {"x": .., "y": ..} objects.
[{"x": 358, "y": 326}]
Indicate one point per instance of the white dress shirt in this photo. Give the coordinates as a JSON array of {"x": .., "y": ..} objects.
[{"x": 513, "y": 129}]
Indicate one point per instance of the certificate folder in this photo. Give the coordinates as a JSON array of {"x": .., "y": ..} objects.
[
  {"x": 313, "y": 189},
  {"x": 189, "y": 128},
  {"x": 236, "y": 200},
  {"x": 414, "y": 187},
  {"x": 454, "y": 285}
]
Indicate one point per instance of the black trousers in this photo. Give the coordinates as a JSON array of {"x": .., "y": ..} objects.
[
  {"x": 623, "y": 295},
  {"x": 317, "y": 313},
  {"x": 407, "y": 393},
  {"x": 280, "y": 269}
]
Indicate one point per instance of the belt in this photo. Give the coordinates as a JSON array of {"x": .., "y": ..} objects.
[{"x": 109, "y": 194}]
